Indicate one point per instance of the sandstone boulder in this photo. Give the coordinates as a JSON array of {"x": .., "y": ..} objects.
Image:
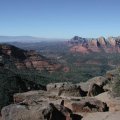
[
  {"x": 36, "y": 98},
  {"x": 30, "y": 97},
  {"x": 56, "y": 112},
  {"x": 38, "y": 112},
  {"x": 21, "y": 112},
  {"x": 59, "y": 112},
  {"x": 102, "y": 116},
  {"x": 94, "y": 86},
  {"x": 100, "y": 81},
  {"x": 94, "y": 90},
  {"x": 112, "y": 102},
  {"x": 112, "y": 74},
  {"x": 65, "y": 89},
  {"x": 86, "y": 105}
]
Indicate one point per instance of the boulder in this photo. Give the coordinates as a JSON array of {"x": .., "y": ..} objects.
[
  {"x": 110, "y": 75},
  {"x": 59, "y": 112},
  {"x": 56, "y": 112},
  {"x": 94, "y": 86},
  {"x": 21, "y": 112},
  {"x": 113, "y": 103},
  {"x": 101, "y": 81},
  {"x": 36, "y": 98},
  {"x": 29, "y": 106},
  {"x": 65, "y": 89},
  {"x": 86, "y": 105},
  {"x": 102, "y": 116},
  {"x": 94, "y": 90},
  {"x": 38, "y": 112},
  {"x": 30, "y": 97}
]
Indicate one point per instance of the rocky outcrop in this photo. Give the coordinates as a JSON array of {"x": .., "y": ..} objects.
[
  {"x": 77, "y": 40},
  {"x": 84, "y": 45},
  {"x": 51, "y": 112},
  {"x": 112, "y": 102},
  {"x": 66, "y": 101},
  {"x": 95, "y": 89},
  {"x": 86, "y": 105},
  {"x": 42, "y": 105},
  {"x": 66, "y": 89},
  {"x": 112, "y": 41},
  {"x": 102, "y": 116},
  {"x": 93, "y": 45},
  {"x": 79, "y": 48},
  {"x": 31, "y": 97},
  {"x": 112, "y": 74},
  {"x": 102, "y": 42},
  {"x": 94, "y": 86},
  {"x": 37, "y": 62},
  {"x": 39, "y": 105},
  {"x": 57, "y": 112},
  {"x": 9, "y": 51},
  {"x": 21, "y": 112}
]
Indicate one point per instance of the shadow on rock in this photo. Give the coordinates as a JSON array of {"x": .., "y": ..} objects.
[{"x": 76, "y": 117}]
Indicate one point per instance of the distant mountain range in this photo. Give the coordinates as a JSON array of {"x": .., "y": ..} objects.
[{"x": 27, "y": 39}]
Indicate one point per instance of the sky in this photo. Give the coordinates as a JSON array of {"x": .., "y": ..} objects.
[{"x": 60, "y": 18}]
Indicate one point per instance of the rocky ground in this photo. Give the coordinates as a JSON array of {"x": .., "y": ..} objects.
[{"x": 66, "y": 101}]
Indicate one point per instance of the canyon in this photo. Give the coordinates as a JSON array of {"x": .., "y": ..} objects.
[
  {"x": 30, "y": 88},
  {"x": 23, "y": 59}
]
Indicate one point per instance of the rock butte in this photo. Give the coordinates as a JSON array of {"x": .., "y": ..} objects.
[{"x": 84, "y": 45}]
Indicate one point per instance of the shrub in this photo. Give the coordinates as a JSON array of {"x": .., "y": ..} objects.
[{"x": 116, "y": 87}]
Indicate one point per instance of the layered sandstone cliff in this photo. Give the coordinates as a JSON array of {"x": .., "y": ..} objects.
[
  {"x": 84, "y": 45},
  {"x": 28, "y": 59}
]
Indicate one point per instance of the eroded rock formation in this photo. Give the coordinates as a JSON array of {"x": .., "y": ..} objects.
[
  {"x": 66, "y": 89},
  {"x": 84, "y": 45},
  {"x": 67, "y": 101},
  {"x": 28, "y": 59}
]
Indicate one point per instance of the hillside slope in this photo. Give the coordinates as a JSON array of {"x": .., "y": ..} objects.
[
  {"x": 21, "y": 71},
  {"x": 23, "y": 59}
]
